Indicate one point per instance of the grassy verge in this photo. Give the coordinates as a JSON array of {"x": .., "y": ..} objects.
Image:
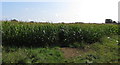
[{"x": 105, "y": 51}]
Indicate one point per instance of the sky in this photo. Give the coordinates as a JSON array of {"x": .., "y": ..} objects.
[{"x": 87, "y": 11}]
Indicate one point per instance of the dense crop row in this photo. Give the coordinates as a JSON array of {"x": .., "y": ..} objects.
[{"x": 36, "y": 34}]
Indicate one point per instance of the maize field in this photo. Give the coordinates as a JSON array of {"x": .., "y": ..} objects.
[{"x": 52, "y": 34}]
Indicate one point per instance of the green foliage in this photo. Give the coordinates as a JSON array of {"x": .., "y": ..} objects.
[
  {"x": 100, "y": 52},
  {"x": 105, "y": 51},
  {"x": 32, "y": 55},
  {"x": 78, "y": 45},
  {"x": 40, "y": 34},
  {"x": 12, "y": 55}
]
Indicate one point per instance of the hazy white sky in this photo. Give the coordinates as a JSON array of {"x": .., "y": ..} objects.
[{"x": 93, "y": 11}]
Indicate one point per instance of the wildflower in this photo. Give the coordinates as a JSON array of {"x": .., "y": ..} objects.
[
  {"x": 1, "y": 46},
  {"x": 48, "y": 38},
  {"x": 108, "y": 37},
  {"x": 117, "y": 41},
  {"x": 43, "y": 31},
  {"x": 65, "y": 39}
]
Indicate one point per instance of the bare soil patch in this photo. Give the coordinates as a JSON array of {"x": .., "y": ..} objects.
[{"x": 72, "y": 52}]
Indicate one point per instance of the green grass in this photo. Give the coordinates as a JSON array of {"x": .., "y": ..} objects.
[
  {"x": 105, "y": 51},
  {"x": 32, "y": 55}
]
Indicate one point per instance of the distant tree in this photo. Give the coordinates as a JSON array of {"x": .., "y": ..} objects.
[
  {"x": 14, "y": 20},
  {"x": 62, "y": 22},
  {"x": 78, "y": 22},
  {"x": 31, "y": 21},
  {"x": 108, "y": 21}
]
